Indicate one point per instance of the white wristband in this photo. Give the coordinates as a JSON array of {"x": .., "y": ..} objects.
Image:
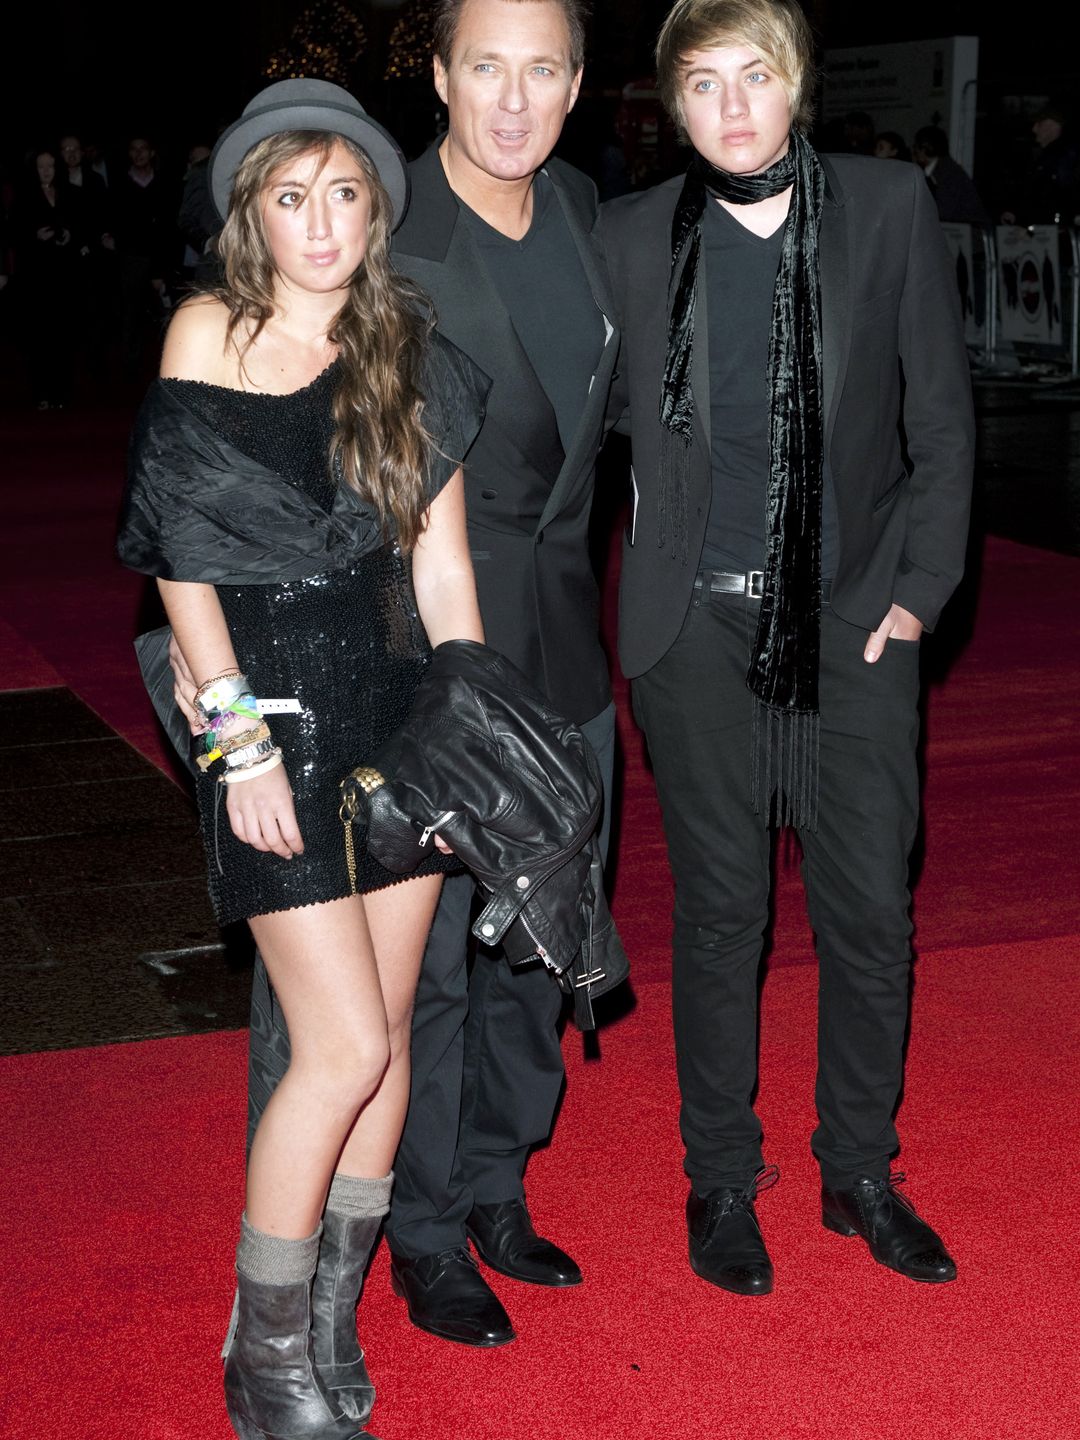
[{"x": 251, "y": 772}]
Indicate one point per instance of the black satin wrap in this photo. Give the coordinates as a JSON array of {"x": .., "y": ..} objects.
[
  {"x": 783, "y": 673},
  {"x": 515, "y": 790},
  {"x": 198, "y": 508}
]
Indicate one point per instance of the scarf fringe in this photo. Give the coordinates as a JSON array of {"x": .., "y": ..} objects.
[
  {"x": 785, "y": 765},
  {"x": 671, "y": 511}
]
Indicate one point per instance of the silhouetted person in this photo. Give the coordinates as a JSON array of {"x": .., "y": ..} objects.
[
  {"x": 198, "y": 221},
  {"x": 891, "y": 146},
  {"x": 1048, "y": 191},
  {"x": 90, "y": 187},
  {"x": 47, "y": 245},
  {"x": 145, "y": 240},
  {"x": 951, "y": 186},
  {"x": 858, "y": 133}
]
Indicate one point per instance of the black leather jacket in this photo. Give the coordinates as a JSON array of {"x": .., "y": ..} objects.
[{"x": 515, "y": 791}]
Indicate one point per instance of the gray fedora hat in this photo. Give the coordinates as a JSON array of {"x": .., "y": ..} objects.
[{"x": 308, "y": 105}]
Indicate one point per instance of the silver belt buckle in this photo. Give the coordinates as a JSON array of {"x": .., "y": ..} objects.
[{"x": 755, "y": 584}]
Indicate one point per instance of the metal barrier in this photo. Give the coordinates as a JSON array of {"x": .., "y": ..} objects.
[{"x": 1020, "y": 295}]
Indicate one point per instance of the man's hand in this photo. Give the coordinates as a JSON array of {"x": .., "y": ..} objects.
[
  {"x": 185, "y": 688},
  {"x": 898, "y": 624}
]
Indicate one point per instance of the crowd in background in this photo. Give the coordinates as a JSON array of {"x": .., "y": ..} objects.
[{"x": 97, "y": 246}]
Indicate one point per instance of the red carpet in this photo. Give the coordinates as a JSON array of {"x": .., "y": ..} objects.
[
  {"x": 123, "y": 1164},
  {"x": 123, "y": 1171}
]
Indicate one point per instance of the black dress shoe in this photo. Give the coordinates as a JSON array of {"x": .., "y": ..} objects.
[
  {"x": 726, "y": 1247},
  {"x": 897, "y": 1237},
  {"x": 505, "y": 1239},
  {"x": 447, "y": 1296}
]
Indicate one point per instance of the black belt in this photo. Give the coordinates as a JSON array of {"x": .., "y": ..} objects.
[{"x": 750, "y": 583}]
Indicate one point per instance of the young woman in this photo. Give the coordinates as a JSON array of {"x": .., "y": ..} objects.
[{"x": 296, "y": 490}]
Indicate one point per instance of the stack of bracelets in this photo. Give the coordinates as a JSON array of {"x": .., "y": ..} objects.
[{"x": 247, "y": 753}]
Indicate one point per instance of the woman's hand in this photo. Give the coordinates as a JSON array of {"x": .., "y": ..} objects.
[{"x": 262, "y": 814}]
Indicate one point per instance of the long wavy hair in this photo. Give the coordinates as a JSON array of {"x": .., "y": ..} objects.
[{"x": 380, "y": 445}]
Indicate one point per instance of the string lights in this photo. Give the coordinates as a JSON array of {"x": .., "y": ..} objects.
[
  {"x": 410, "y": 42},
  {"x": 325, "y": 43}
]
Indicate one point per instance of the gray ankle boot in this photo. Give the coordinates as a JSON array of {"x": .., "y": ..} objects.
[
  {"x": 272, "y": 1387},
  {"x": 347, "y": 1243}
]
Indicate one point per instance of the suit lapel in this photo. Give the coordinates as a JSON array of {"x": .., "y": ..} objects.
[
  {"x": 582, "y": 448},
  {"x": 835, "y": 298},
  {"x": 436, "y": 247},
  {"x": 472, "y": 314}
]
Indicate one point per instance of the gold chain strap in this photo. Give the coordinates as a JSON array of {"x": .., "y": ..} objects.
[{"x": 369, "y": 781}]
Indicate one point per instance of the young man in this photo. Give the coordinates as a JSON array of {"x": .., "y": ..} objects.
[{"x": 799, "y": 402}]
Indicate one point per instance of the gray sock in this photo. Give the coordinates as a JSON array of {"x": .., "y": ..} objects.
[
  {"x": 271, "y": 1260},
  {"x": 359, "y": 1197}
]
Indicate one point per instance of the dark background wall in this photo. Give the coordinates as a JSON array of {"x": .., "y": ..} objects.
[{"x": 181, "y": 70}]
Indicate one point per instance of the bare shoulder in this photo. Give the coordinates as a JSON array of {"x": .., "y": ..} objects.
[{"x": 197, "y": 343}]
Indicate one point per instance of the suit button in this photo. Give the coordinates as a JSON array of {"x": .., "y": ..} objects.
[{"x": 489, "y": 494}]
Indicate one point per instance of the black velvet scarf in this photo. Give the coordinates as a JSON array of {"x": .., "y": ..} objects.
[{"x": 783, "y": 673}]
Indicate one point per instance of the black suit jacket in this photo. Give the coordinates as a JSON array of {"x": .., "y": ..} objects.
[
  {"x": 527, "y": 502},
  {"x": 899, "y": 426}
]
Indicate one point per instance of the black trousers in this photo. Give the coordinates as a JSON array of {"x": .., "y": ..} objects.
[
  {"x": 487, "y": 1065},
  {"x": 487, "y": 1068},
  {"x": 696, "y": 712}
]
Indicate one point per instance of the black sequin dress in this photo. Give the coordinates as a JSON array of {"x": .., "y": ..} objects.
[{"x": 348, "y": 643}]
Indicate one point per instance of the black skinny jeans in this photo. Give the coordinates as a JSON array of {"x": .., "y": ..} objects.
[{"x": 695, "y": 709}]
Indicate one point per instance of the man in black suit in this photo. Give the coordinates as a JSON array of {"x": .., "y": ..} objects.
[
  {"x": 799, "y": 402},
  {"x": 498, "y": 235}
]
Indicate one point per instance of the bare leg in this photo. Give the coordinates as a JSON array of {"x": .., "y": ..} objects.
[
  {"x": 399, "y": 936},
  {"x": 322, "y": 963}
]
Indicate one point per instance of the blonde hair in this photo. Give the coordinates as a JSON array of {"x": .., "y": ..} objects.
[
  {"x": 777, "y": 29},
  {"x": 380, "y": 443}
]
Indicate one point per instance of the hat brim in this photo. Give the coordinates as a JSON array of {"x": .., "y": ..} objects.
[{"x": 239, "y": 138}]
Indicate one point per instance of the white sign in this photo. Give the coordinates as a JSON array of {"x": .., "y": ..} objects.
[
  {"x": 967, "y": 253},
  {"x": 904, "y": 87},
  {"x": 1029, "y": 285}
]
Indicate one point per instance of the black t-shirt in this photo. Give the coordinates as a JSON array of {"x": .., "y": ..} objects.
[
  {"x": 740, "y": 279},
  {"x": 543, "y": 285}
]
